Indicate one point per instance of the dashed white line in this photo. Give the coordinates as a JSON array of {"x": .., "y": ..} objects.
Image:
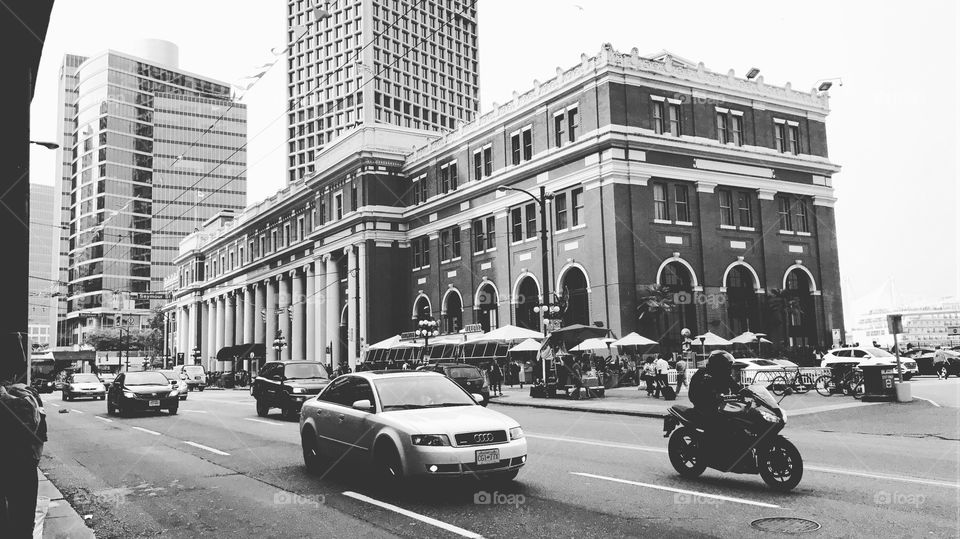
[
  {"x": 194, "y": 411},
  {"x": 416, "y": 516},
  {"x": 53, "y": 404},
  {"x": 76, "y": 411},
  {"x": 148, "y": 431},
  {"x": 263, "y": 421},
  {"x": 103, "y": 419},
  {"x": 916, "y": 480},
  {"x": 679, "y": 490},
  {"x": 207, "y": 448}
]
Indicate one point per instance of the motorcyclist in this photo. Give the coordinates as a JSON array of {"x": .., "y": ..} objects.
[{"x": 708, "y": 386}]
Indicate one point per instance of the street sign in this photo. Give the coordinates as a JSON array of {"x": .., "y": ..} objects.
[
  {"x": 150, "y": 295},
  {"x": 895, "y": 323},
  {"x": 836, "y": 336}
]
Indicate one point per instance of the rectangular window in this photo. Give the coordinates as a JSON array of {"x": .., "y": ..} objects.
[
  {"x": 515, "y": 151},
  {"x": 444, "y": 180},
  {"x": 560, "y": 205},
  {"x": 722, "y": 134},
  {"x": 452, "y": 171},
  {"x": 479, "y": 238},
  {"x": 455, "y": 241},
  {"x": 573, "y": 123},
  {"x": 516, "y": 224},
  {"x": 531, "y": 220},
  {"x": 726, "y": 207},
  {"x": 793, "y": 138},
  {"x": 354, "y": 197},
  {"x": 779, "y": 133},
  {"x": 338, "y": 204},
  {"x": 286, "y": 235},
  {"x": 491, "y": 232},
  {"x": 576, "y": 201},
  {"x": 801, "y": 215},
  {"x": 323, "y": 210},
  {"x": 660, "y": 209},
  {"x": 301, "y": 229},
  {"x": 673, "y": 116},
  {"x": 445, "y": 246},
  {"x": 559, "y": 130},
  {"x": 421, "y": 252},
  {"x": 526, "y": 137},
  {"x": 681, "y": 204},
  {"x": 487, "y": 161},
  {"x": 736, "y": 130},
  {"x": 783, "y": 210},
  {"x": 658, "y": 117},
  {"x": 477, "y": 165},
  {"x": 745, "y": 209}
]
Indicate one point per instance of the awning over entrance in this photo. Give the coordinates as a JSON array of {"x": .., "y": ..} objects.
[{"x": 242, "y": 351}]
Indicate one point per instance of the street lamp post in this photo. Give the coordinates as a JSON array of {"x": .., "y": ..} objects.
[
  {"x": 427, "y": 327},
  {"x": 279, "y": 342},
  {"x": 196, "y": 355}
]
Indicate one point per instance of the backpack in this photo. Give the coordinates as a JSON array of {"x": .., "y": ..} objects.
[
  {"x": 668, "y": 393},
  {"x": 23, "y": 421}
]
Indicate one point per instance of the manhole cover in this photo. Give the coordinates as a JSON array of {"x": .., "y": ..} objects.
[{"x": 785, "y": 525}]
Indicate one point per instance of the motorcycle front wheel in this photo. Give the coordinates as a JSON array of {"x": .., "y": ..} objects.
[
  {"x": 782, "y": 466},
  {"x": 686, "y": 454}
]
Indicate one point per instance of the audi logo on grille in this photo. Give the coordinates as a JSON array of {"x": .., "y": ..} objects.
[{"x": 483, "y": 437}]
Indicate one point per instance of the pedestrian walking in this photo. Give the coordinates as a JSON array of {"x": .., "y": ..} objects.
[
  {"x": 648, "y": 375},
  {"x": 496, "y": 379},
  {"x": 660, "y": 377},
  {"x": 681, "y": 367},
  {"x": 24, "y": 429}
]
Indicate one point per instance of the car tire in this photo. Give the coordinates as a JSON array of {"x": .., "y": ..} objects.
[
  {"x": 173, "y": 411},
  {"x": 120, "y": 411},
  {"x": 388, "y": 467},
  {"x": 262, "y": 409},
  {"x": 109, "y": 409},
  {"x": 288, "y": 413},
  {"x": 313, "y": 459},
  {"x": 201, "y": 389}
]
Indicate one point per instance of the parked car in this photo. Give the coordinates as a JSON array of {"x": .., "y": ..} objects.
[
  {"x": 61, "y": 379},
  {"x": 178, "y": 381},
  {"x": 196, "y": 377},
  {"x": 469, "y": 377},
  {"x": 83, "y": 385},
  {"x": 107, "y": 378},
  {"x": 785, "y": 363},
  {"x": 286, "y": 384},
  {"x": 923, "y": 357},
  {"x": 757, "y": 370},
  {"x": 868, "y": 355},
  {"x": 946, "y": 361},
  {"x": 141, "y": 391},
  {"x": 404, "y": 424},
  {"x": 43, "y": 385}
]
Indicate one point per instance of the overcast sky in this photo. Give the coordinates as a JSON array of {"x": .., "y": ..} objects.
[{"x": 893, "y": 126}]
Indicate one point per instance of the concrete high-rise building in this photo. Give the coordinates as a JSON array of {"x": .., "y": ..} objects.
[
  {"x": 43, "y": 236},
  {"x": 149, "y": 151},
  {"x": 420, "y": 71}
]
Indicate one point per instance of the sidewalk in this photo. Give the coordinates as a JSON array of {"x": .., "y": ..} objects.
[
  {"x": 633, "y": 402},
  {"x": 61, "y": 521}
]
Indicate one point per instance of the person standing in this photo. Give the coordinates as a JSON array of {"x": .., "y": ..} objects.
[
  {"x": 681, "y": 367},
  {"x": 649, "y": 374},
  {"x": 24, "y": 430},
  {"x": 660, "y": 381},
  {"x": 496, "y": 379}
]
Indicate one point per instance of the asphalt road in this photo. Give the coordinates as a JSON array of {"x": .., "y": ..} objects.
[{"x": 217, "y": 470}]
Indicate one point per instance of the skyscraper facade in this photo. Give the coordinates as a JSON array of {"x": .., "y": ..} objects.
[
  {"x": 43, "y": 236},
  {"x": 149, "y": 152},
  {"x": 402, "y": 62}
]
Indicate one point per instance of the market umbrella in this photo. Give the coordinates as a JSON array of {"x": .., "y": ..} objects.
[
  {"x": 528, "y": 345},
  {"x": 711, "y": 339},
  {"x": 749, "y": 337},
  {"x": 386, "y": 344},
  {"x": 594, "y": 343},
  {"x": 633, "y": 339},
  {"x": 508, "y": 333},
  {"x": 575, "y": 334}
]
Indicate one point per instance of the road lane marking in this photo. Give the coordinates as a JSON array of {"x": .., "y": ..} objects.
[
  {"x": 207, "y": 448},
  {"x": 53, "y": 404},
  {"x": 195, "y": 411},
  {"x": 591, "y": 442},
  {"x": 416, "y": 516},
  {"x": 75, "y": 410},
  {"x": 263, "y": 421},
  {"x": 679, "y": 490},
  {"x": 904, "y": 479},
  {"x": 103, "y": 419},
  {"x": 927, "y": 400},
  {"x": 148, "y": 431}
]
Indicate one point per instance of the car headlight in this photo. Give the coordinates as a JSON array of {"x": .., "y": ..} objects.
[
  {"x": 298, "y": 390},
  {"x": 129, "y": 394},
  {"x": 174, "y": 393},
  {"x": 516, "y": 433},
  {"x": 769, "y": 416},
  {"x": 430, "y": 439}
]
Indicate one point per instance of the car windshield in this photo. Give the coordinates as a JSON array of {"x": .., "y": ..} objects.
[
  {"x": 170, "y": 375},
  {"x": 876, "y": 352},
  {"x": 764, "y": 362},
  {"x": 410, "y": 392},
  {"x": 305, "y": 371},
  {"x": 463, "y": 372},
  {"x": 193, "y": 371},
  {"x": 145, "y": 379},
  {"x": 85, "y": 379}
]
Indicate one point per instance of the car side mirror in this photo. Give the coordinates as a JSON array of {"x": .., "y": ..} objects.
[
  {"x": 363, "y": 404},
  {"x": 477, "y": 397}
]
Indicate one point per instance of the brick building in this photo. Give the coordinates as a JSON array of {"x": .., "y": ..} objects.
[{"x": 659, "y": 171}]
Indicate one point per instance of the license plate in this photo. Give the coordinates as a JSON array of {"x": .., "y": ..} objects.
[
  {"x": 488, "y": 456},
  {"x": 154, "y": 403}
]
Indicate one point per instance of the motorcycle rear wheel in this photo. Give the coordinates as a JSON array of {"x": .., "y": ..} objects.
[
  {"x": 782, "y": 466},
  {"x": 686, "y": 454}
]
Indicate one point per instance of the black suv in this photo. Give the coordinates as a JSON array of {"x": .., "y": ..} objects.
[
  {"x": 286, "y": 384},
  {"x": 466, "y": 376}
]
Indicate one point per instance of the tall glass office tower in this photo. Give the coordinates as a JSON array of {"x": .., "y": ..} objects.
[{"x": 149, "y": 152}]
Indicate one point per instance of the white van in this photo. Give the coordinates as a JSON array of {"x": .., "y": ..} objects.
[{"x": 196, "y": 376}]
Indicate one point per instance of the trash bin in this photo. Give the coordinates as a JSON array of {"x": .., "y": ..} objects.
[{"x": 878, "y": 382}]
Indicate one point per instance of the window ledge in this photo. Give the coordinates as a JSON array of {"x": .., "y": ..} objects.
[
  {"x": 683, "y": 223},
  {"x": 662, "y": 222},
  {"x": 727, "y": 227},
  {"x": 790, "y": 232},
  {"x": 561, "y": 231},
  {"x": 491, "y": 250},
  {"x": 748, "y": 229},
  {"x": 803, "y": 234}
]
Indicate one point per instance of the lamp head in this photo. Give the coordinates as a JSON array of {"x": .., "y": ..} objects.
[
  {"x": 753, "y": 72},
  {"x": 824, "y": 86}
]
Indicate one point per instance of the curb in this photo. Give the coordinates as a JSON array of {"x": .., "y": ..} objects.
[
  {"x": 578, "y": 409},
  {"x": 61, "y": 519}
]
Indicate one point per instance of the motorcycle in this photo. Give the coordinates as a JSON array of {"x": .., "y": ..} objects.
[{"x": 755, "y": 445}]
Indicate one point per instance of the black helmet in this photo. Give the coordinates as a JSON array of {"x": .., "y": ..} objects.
[{"x": 719, "y": 360}]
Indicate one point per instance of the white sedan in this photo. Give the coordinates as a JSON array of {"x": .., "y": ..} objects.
[{"x": 409, "y": 424}]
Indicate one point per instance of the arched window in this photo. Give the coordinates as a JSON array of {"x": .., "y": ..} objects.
[
  {"x": 678, "y": 280},
  {"x": 452, "y": 321},
  {"x": 528, "y": 296},
  {"x": 741, "y": 300},
  {"x": 486, "y": 305},
  {"x": 574, "y": 289}
]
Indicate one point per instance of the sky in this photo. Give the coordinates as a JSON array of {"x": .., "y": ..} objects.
[{"x": 893, "y": 125}]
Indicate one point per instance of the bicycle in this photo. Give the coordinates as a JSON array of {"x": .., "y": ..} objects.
[
  {"x": 798, "y": 381},
  {"x": 850, "y": 383}
]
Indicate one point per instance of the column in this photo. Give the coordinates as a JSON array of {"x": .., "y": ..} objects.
[
  {"x": 362, "y": 302},
  {"x": 249, "y": 315},
  {"x": 320, "y": 304},
  {"x": 238, "y": 319},
  {"x": 183, "y": 333},
  {"x": 310, "y": 302},
  {"x": 283, "y": 316},
  {"x": 210, "y": 349},
  {"x": 229, "y": 319},
  {"x": 351, "y": 307},
  {"x": 271, "y": 324},
  {"x": 259, "y": 316},
  {"x": 333, "y": 311},
  {"x": 204, "y": 330},
  {"x": 218, "y": 341},
  {"x": 192, "y": 329},
  {"x": 297, "y": 337}
]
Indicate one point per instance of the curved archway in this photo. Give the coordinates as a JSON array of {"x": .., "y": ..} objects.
[
  {"x": 575, "y": 288},
  {"x": 800, "y": 316},
  {"x": 485, "y": 302},
  {"x": 742, "y": 305},
  {"x": 677, "y": 276},
  {"x": 740, "y": 263},
  {"x": 526, "y": 297},
  {"x": 422, "y": 308},
  {"x": 451, "y": 314},
  {"x": 812, "y": 286}
]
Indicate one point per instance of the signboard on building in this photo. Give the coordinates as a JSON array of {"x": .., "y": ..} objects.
[
  {"x": 150, "y": 295},
  {"x": 953, "y": 331},
  {"x": 895, "y": 323},
  {"x": 836, "y": 336}
]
